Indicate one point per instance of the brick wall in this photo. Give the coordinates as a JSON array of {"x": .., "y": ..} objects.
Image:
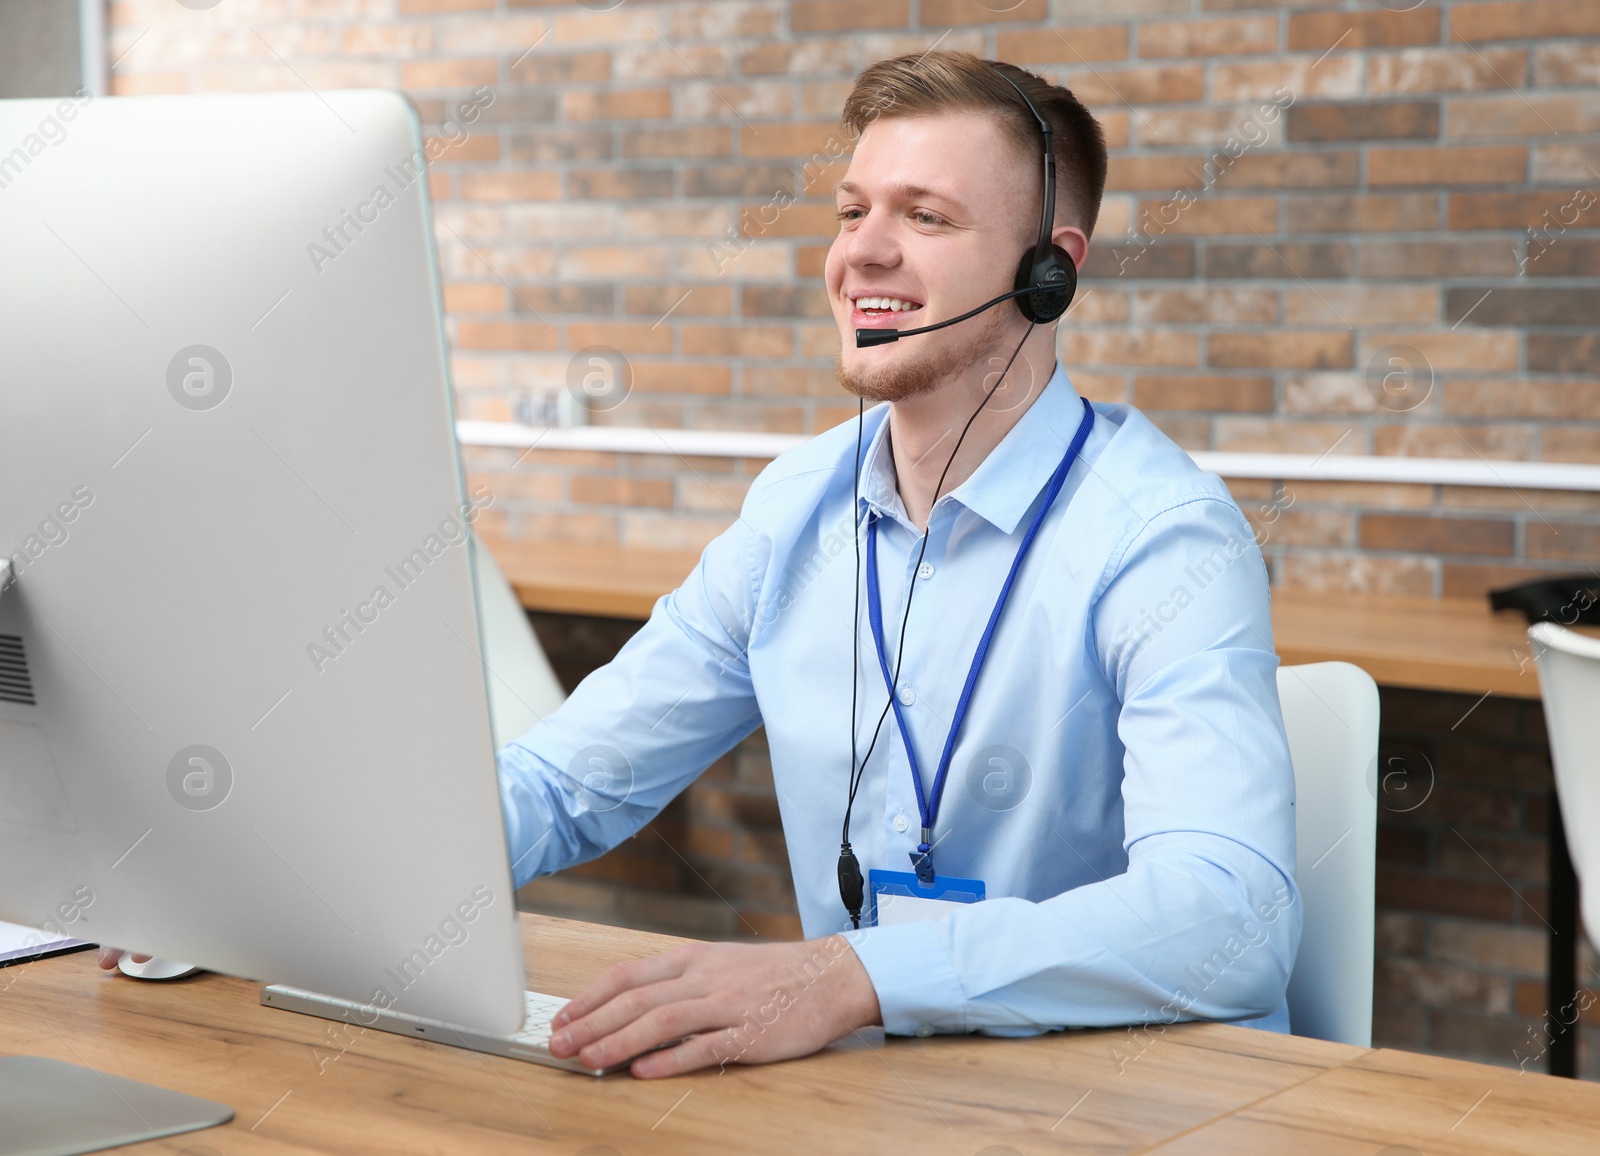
[{"x": 1299, "y": 193}]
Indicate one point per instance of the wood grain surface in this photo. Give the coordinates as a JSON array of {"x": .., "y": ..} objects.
[{"x": 301, "y": 1084}]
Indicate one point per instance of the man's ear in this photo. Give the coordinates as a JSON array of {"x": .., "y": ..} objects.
[{"x": 1073, "y": 240}]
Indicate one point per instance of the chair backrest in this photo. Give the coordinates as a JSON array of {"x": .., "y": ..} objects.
[
  {"x": 522, "y": 687},
  {"x": 1569, "y": 683},
  {"x": 1330, "y": 711}
]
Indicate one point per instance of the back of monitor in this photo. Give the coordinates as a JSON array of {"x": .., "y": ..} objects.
[{"x": 243, "y": 718}]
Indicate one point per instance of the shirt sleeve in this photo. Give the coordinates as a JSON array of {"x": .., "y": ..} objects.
[
  {"x": 640, "y": 729},
  {"x": 1205, "y": 922}
]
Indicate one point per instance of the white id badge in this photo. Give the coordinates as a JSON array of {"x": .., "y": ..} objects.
[{"x": 900, "y": 897}]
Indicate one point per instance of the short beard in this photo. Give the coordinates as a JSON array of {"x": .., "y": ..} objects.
[{"x": 914, "y": 376}]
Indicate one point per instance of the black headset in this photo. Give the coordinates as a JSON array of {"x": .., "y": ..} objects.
[
  {"x": 1046, "y": 278},
  {"x": 1046, "y": 281}
]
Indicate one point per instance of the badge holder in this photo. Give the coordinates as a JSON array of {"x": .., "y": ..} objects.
[{"x": 901, "y": 897}]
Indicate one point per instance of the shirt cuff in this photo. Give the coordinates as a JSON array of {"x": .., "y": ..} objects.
[{"x": 919, "y": 990}]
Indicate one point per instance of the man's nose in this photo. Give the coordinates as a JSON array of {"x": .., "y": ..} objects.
[{"x": 871, "y": 242}]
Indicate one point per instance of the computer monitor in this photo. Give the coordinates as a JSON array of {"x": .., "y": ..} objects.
[{"x": 243, "y": 714}]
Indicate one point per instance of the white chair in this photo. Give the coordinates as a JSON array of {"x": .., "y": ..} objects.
[
  {"x": 1569, "y": 683},
  {"x": 1330, "y": 711},
  {"x": 522, "y": 687}
]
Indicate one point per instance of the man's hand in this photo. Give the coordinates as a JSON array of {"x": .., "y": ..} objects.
[
  {"x": 727, "y": 1002},
  {"x": 111, "y": 956}
]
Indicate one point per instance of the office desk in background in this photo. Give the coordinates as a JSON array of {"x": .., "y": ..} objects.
[{"x": 300, "y": 1084}]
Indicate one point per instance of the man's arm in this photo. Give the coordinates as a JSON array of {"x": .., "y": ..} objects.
[
  {"x": 637, "y": 731},
  {"x": 1206, "y": 919}
]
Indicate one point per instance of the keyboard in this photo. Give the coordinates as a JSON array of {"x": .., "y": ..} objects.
[{"x": 542, "y": 1009}]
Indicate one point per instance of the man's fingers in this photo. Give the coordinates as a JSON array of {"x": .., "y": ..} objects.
[
  {"x": 702, "y": 1051},
  {"x": 111, "y": 956},
  {"x": 621, "y": 978},
  {"x": 670, "y": 1021}
]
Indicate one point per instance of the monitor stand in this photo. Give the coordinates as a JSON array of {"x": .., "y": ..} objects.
[{"x": 51, "y": 1108}]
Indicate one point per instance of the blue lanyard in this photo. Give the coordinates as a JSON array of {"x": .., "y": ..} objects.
[{"x": 928, "y": 807}]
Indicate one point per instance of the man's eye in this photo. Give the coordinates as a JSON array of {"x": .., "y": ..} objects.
[{"x": 937, "y": 220}]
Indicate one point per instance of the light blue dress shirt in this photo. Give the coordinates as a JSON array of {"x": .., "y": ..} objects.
[{"x": 1121, "y": 782}]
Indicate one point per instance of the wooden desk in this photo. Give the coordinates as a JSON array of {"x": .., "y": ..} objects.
[
  {"x": 295, "y": 1088},
  {"x": 1449, "y": 644}
]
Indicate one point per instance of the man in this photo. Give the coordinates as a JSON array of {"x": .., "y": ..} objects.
[{"x": 1121, "y": 782}]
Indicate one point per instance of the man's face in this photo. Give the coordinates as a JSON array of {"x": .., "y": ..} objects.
[{"x": 935, "y": 211}]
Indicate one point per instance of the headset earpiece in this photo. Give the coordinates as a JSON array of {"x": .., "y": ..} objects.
[{"x": 1053, "y": 282}]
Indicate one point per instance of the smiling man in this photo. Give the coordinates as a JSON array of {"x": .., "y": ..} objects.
[{"x": 1067, "y": 617}]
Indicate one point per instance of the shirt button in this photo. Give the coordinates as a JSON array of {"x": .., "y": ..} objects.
[
  {"x": 924, "y": 1032},
  {"x": 907, "y": 696},
  {"x": 925, "y": 571},
  {"x": 901, "y": 822}
]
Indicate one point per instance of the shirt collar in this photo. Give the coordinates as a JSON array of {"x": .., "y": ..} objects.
[{"x": 1006, "y": 482}]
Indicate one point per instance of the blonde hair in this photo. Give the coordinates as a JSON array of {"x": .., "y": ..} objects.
[{"x": 924, "y": 84}]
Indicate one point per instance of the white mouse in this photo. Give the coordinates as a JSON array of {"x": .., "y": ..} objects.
[{"x": 154, "y": 968}]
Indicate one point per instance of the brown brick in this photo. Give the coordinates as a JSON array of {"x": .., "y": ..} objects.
[
  {"x": 1226, "y": 37},
  {"x": 1154, "y": 172},
  {"x": 1535, "y": 114},
  {"x": 1279, "y": 350},
  {"x": 1445, "y": 70},
  {"x": 1300, "y": 527},
  {"x": 1567, "y": 63},
  {"x": 1378, "y": 28},
  {"x": 505, "y": 335},
  {"x": 948, "y": 13},
  {"x": 540, "y": 67},
  {"x": 1518, "y": 211},
  {"x": 1565, "y": 162},
  {"x": 1389, "y": 213},
  {"x": 784, "y": 301},
  {"x": 1563, "y": 541},
  {"x": 1276, "y": 436},
  {"x": 681, "y": 377},
  {"x": 474, "y": 298},
  {"x": 619, "y": 184},
  {"x": 1565, "y": 444},
  {"x": 1056, "y": 46},
  {"x": 1557, "y": 400},
  {"x": 1230, "y": 394},
  {"x": 1363, "y": 304},
  {"x": 1364, "y": 120},
  {"x": 1416, "y": 891},
  {"x": 1124, "y": 347},
  {"x": 1524, "y": 19},
  {"x": 617, "y": 104},
  {"x": 1562, "y": 256},
  {"x": 1288, "y": 260},
  {"x": 744, "y": 180},
  {"x": 673, "y": 141},
  {"x": 1464, "y": 581},
  {"x": 1519, "y": 305},
  {"x": 1156, "y": 260},
  {"x": 789, "y": 381},
  {"x": 1564, "y": 353},
  {"x": 1318, "y": 170},
  {"x": 736, "y": 341},
  {"x": 448, "y": 73},
  {"x": 840, "y": 15},
  {"x": 555, "y": 144},
  {"x": 1502, "y": 442},
  {"x": 1208, "y": 303},
  {"x": 1417, "y": 260},
  {"x": 1210, "y": 215},
  {"x": 1277, "y": 78},
  {"x": 1461, "y": 349},
  {"x": 1487, "y": 165},
  {"x": 1151, "y": 84},
  {"x": 511, "y": 186}
]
